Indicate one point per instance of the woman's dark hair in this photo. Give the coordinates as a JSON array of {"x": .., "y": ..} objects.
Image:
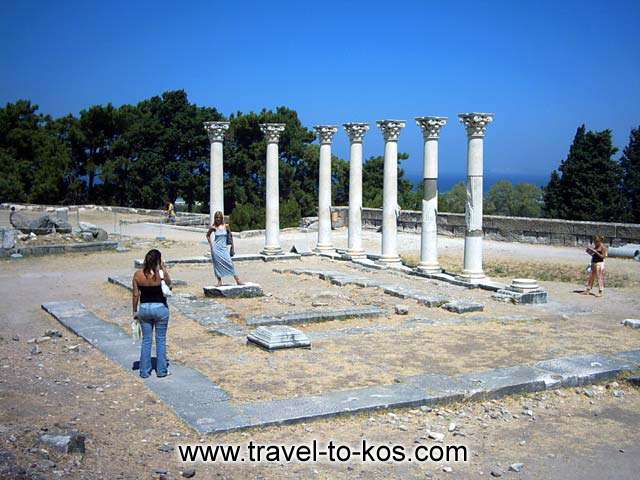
[{"x": 152, "y": 262}]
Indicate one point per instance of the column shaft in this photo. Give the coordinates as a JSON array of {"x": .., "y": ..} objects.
[
  {"x": 272, "y": 227},
  {"x": 475, "y": 124},
  {"x": 324, "y": 199},
  {"x": 390, "y": 203},
  {"x": 356, "y": 133},
  {"x": 355, "y": 201},
  {"x": 429, "y": 234},
  {"x": 216, "y": 180}
]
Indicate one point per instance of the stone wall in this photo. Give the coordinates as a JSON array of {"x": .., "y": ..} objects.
[{"x": 510, "y": 229}]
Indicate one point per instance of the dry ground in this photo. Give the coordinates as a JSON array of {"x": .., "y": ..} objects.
[{"x": 572, "y": 435}]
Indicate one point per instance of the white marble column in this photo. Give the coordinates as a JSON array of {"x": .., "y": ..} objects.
[
  {"x": 476, "y": 124},
  {"x": 356, "y": 133},
  {"x": 325, "y": 135},
  {"x": 272, "y": 132},
  {"x": 429, "y": 237},
  {"x": 390, "y": 209},
  {"x": 216, "y": 131}
]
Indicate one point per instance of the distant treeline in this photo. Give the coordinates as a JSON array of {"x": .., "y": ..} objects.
[{"x": 156, "y": 151}]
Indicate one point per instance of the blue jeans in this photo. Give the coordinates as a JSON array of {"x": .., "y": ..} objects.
[{"x": 153, "y": 315}]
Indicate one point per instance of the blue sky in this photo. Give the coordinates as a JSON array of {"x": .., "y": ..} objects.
[{"x": 543, "y": 67}]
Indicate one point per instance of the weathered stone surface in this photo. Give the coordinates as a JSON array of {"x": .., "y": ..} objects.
[
  {"x": 631, "y": 322},
  {"x": 42, "y": 225},
  {"x": 462, "y": 306},
  {"x": 499, "y": 382},
  {"x": 277, "y": 337},
  {"x": 301, "y": 249},
  {"x": 401, "y": 310},
  {"x": 317, "y": 315},
  {"x": 248, "y": 290},
  {"x": 580, "y": 370},
  {"x": 189, "y": 393},
  {"x": 521, "y": 297},
  {"x": 432, "y": 301},
  {"x": 68, "y": 443},
  {"x": 7, "y": 238}
]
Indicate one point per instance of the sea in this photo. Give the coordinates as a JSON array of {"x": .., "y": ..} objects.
[{"x": 445, "y": 182}]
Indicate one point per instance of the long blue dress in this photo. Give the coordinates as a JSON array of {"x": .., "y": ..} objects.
[{"x": 222, "y": 263}]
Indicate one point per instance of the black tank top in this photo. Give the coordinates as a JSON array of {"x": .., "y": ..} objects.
[{"x": 151, "y": 294}]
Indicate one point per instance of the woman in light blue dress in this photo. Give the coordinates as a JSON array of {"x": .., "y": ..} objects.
[{"x": 220, "y": 250}]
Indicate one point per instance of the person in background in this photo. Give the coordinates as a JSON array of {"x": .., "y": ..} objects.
[
  {"x": 171, "y": 213},
  {"x": 220, "y": 251},
  {"x": 598, "y": 253},
  {"x": 153, "y": 312}
]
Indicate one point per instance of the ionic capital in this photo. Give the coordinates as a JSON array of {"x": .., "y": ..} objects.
[
  {"x": 356, "y": 131},
  {"x": 391, "y": 129},
  {"x": 325, "y": 133},
  {"x": 216, "y": 130},
  {"x": 272, "y": 131},
  {"x": 475, "y": 123},
  {"x": 431, "y": 126}
]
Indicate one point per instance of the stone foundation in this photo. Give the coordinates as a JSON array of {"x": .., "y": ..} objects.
[{"x": 546, "y": 231}]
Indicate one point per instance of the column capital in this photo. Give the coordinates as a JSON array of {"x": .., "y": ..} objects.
[
  {"x": 272, "y": 131},
  {"x": 325, "y": 133},
  {"x": 475, "y": 122},
  {"x": 216, "y": 130},
  {"x": 431, "y": 126},
  {"x": 356, "y": 131},
  {"x": 391, "y": 129}
]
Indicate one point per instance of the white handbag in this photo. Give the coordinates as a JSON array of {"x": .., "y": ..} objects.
[{"x": 166, "y": 291}]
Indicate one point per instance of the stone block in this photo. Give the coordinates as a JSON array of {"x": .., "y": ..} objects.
[
  {"x": 7, "y": 238},
  {"x": 499, "y": 382},
  {"x": 68, "y": 443},
  {"x": 401, "y": 310},
  {"x": 463, "y": 306},
  {"x": 582, "y": 369},
  {"x": 316, "y": 315},
  {"x": 248, "y": 290},
  {"x": 529, "y": 297},
  {"x": 431, "y": 301},
  {"x": 277, "y": 337},
  {"x": 282, "y": 256},
  {"x": 301, "y": 249},
  {"x": 631, "y": 322}
]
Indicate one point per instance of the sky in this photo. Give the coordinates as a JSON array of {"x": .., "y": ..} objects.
[{"x": 543, "y": 67}]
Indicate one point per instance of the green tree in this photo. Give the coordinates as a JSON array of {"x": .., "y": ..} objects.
[
  {"x": 589, "y": 187},
  {"x": 290, "y": 213},
  {"x": 454, "y": 200},
  {"x": 521, "y": 200},
  {"x": 372, "y": 184},
  {"x": 630, "y": 162}
]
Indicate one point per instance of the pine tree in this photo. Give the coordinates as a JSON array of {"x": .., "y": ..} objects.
[
  {"x": 589, "y": 186},
  {"x": 630, "y": 162}
]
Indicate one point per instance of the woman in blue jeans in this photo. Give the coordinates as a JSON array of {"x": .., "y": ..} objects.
[{"x": 153, "y": 311}]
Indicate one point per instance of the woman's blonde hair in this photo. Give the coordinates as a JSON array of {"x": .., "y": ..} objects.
[{"x": 218, "y": 218}]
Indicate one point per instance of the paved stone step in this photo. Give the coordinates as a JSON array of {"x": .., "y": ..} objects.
[
  {"x": 242, "y": 257},
  {"x": 311, "y": 316},
  {"x": 248, "y": 290},
  {"x": 189, "y": 393}
]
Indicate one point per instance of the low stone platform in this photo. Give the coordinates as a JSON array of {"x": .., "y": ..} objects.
[
  {"x": 631, "y": 322},
  {"x": 248, "y": 290},
  {"x": 209, "y": 409},
  {"x": 58, "y": 249},
  {"x": 312, "y": 316},
  {"x": 277, "y": 337},
  {"x": 463, "y": 307}
]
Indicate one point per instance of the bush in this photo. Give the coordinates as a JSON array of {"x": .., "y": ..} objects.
[
  {"x": 247, "y": 217},
  {"x": 290, "y": 213}
]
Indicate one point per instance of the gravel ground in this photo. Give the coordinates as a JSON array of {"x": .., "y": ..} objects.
[{"x": 70, "y": 385}]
